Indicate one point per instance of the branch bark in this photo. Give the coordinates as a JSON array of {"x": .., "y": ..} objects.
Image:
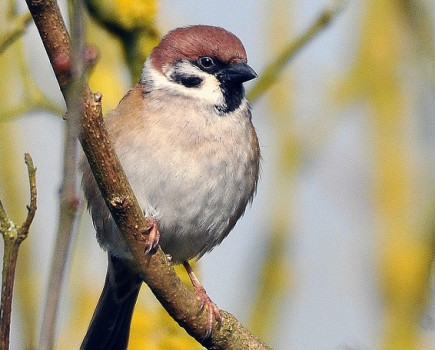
[
  {"x": 158, "y": 274},
  {"x": 13, "y": 236}
]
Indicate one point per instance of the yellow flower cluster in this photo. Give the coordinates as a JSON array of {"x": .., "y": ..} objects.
[
  {"x": 133, "y": 14},
  {"x": 126, "y": 15}
]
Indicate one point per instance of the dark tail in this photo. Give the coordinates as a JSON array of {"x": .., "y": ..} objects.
[{"x": 110, "y": 324}]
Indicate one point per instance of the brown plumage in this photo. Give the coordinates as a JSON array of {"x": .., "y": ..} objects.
[{"x": 185, "y": 139}]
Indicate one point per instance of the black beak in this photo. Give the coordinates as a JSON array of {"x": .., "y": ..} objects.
[{"x": 237, "y": 73}]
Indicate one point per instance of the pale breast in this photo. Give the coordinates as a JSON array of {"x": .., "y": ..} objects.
[{"x": 194, "y": 172}]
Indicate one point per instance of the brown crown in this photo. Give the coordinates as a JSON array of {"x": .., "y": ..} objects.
[{"x": 190, "y": 43}]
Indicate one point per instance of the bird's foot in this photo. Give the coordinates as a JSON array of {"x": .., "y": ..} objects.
[
  {"x": 153, "y": 236},
  {"x": 207, "y": 305}
]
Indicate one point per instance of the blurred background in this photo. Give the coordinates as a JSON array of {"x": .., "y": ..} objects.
[{"x": 336, "y": 251}]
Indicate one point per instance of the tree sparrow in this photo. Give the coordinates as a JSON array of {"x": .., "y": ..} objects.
[{"x": 185, "y": 139}]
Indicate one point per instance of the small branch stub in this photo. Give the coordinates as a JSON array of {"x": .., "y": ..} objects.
[
  {"x": 119, "y": 204},
  {"x": 98, "y": 97},
  {"x": 31, "y": 208}
]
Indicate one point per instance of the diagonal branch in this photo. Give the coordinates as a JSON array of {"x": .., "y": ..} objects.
[{"x": 159, "y": 275}]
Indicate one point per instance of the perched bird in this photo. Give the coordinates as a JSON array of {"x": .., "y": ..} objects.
[{"x": 185, "y": 139}]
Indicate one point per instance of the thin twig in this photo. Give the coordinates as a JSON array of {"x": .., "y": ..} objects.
[
  {"x": 13, "y": 235},
  {"x": 69, "y": 197},
  {"x": 273, "y": 69},
  {"x": 15, "y": 29},
  {"x": 69, "y": 204},
  {"x": 32, "y": 97},
  {"x": 29, "y": 106},
  {"x": 31, "y": 208}
]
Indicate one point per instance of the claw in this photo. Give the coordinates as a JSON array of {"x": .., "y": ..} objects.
[
  {"x": 153, "y": 238},
  {"x": 207, "y": 305}
]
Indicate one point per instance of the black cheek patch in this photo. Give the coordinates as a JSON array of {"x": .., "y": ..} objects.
[{"x": 189, "y": 81}]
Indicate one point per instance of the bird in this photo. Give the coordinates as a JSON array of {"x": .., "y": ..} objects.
[{"x": 185, "y": 139}]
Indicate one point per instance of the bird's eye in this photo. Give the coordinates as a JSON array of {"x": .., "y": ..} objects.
[{"x": 206, "y": 62}]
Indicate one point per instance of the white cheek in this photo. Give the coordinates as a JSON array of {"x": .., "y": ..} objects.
[{"x": 208, "y": 92}]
